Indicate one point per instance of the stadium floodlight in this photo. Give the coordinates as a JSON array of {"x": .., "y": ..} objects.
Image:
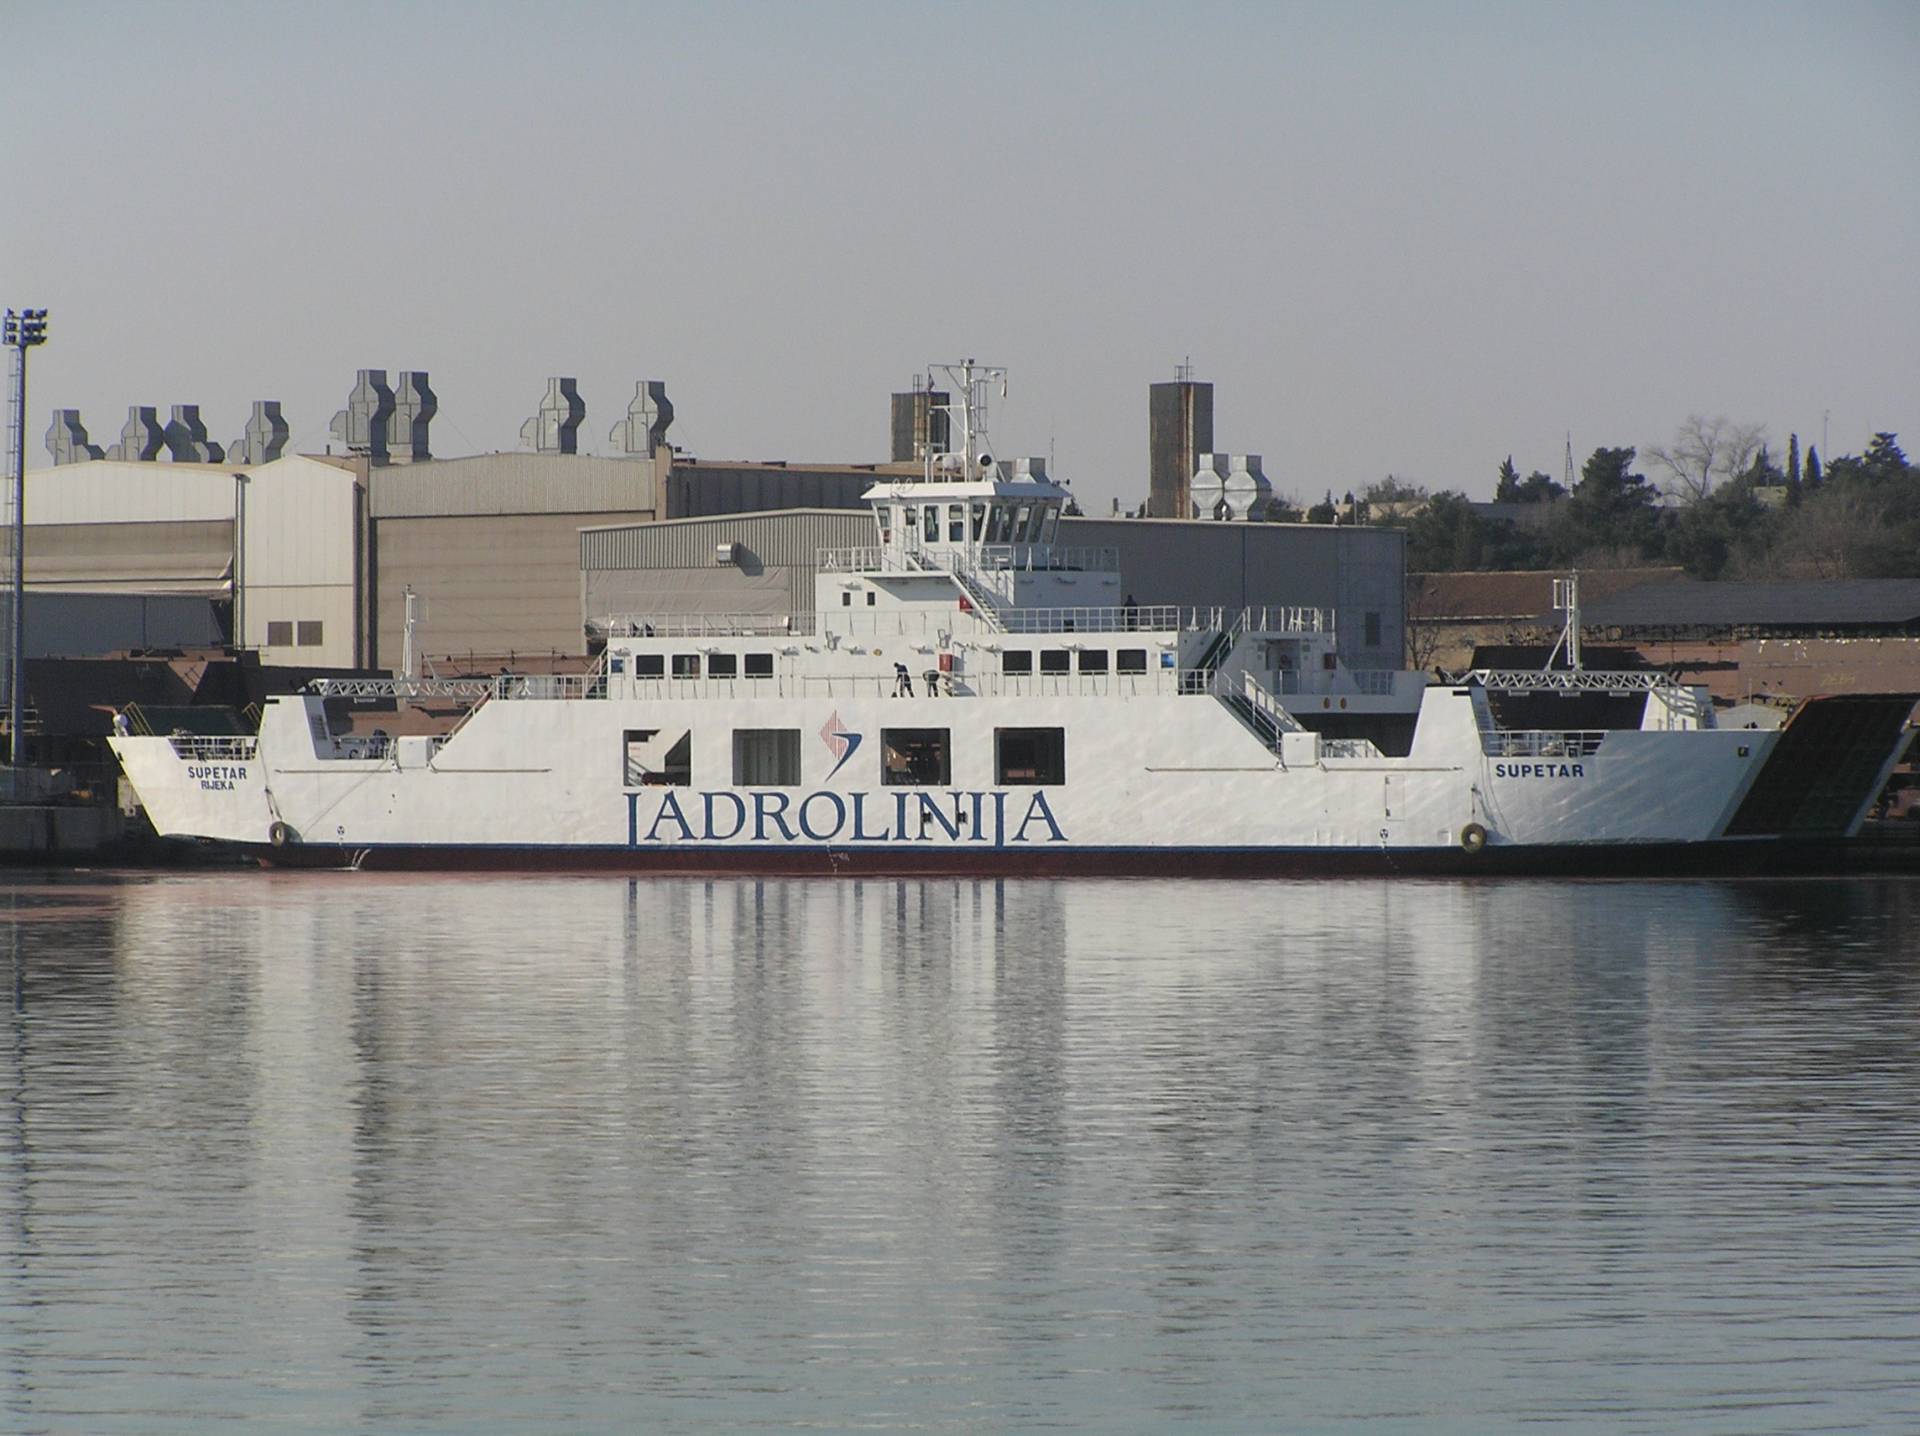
[{"x": 21, "y": 331}]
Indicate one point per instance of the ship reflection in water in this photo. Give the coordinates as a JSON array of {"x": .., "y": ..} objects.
[{"x": 353, "y": 1153}]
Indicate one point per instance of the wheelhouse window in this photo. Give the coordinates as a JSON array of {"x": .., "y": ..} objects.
[
  {"x": 1030, "y": 757},
  {"x": 766, "y": 757},
  {"x": 1093, "y": 660},
  {"x": 979, "y": 521},
  {"x": 1016, "y": 660},
  {"x": 957, "y": 523},
  {"x": 723, "y": 665},
  {"x": 1055, "y": 660},
  {"x": 759, "y": 665},
  {"x": 916, "y": 757},
  {"x": 1130, "y": 660}
]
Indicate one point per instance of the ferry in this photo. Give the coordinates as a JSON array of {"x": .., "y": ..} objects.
[{"x": 970, "y": 696}]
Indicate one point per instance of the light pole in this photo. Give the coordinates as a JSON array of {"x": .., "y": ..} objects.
[{"x": 22, "y": 332}]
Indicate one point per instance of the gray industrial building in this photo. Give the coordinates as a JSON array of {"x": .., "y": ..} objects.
[{"x": 764, "y": 563}]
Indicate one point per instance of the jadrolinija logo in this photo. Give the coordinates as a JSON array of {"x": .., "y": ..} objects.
[{"x": 842, "y": 744}]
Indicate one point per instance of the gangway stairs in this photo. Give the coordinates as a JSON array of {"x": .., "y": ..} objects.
[
  {"x": 980, "y": 596},
  {"x": 1258, "y": 710}
]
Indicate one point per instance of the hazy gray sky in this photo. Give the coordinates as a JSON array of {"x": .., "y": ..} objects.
[{"x": 1405, "y": 239}]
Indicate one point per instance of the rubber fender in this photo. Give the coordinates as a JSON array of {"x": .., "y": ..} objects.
[
  {"x": 1473, "y": 837},
  {"x": 280, "y": 835}
]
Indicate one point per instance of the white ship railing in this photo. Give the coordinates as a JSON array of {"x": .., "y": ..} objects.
[
  {"x": 1263, "y": 621},
  {"x": 507, "y": 686},
  {"x": 1542, "y": 743},
  {"x": 206, "y": 748},
  {"x": 706, "y": 625},
  {"x": 1016, "y": 557},
  {"x": 859, "y": 623}
]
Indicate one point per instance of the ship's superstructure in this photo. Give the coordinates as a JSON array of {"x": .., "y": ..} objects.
[{"x": 970, "y": 696}]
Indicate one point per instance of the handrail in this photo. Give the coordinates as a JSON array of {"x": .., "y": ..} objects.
[
  {"x": 1542, "y": 742},
  {"x": 1570, "y": 680},
  {"x": 214, "y": 748}
]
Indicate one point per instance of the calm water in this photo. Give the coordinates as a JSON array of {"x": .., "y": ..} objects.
[{"x": 342, "y": 1153}]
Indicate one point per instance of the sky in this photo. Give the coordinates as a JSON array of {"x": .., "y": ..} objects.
[{"x": 1398, "y": 239}]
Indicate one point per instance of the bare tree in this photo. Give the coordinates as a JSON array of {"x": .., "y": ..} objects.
[{"x": 1705, "y": 452}]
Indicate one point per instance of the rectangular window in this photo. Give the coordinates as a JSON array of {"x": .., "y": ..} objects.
[
  {"x": 280, "y": 634},
  {"x": 617, "y": 664},
  {"x": 1016, "y": 660},
  {"x": 871, "y": 596},
  {"x": 647, "y": 765},
  {"x": 759, "y": 665},
  {"x": 307, "y": 633},
  {"x": 1055, "y": 660},
  {"x": 686, "y": 665},
  {"x": 846, "y": 599},
  {"x": 649, "y": 665},
  {"x": 1093, "y": 660},
  {"x": 723, "y": 665},
  {"x": 1373, "y": 630},
  {"x": 766, "y": 757},
  {"x": 957, "y": 523},
  {"x": 916, "y": 757},
  {"x": 1030, "y": 757},
  {"x": 1130, "y": 660}
]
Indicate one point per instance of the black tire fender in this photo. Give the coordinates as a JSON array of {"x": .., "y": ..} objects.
[
  {"x": 1473, "y": 837},
  {"x": 279, "y": 835}
]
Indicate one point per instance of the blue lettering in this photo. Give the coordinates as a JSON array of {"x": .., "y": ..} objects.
[
  {"x": 979, "y": 834},
  {"x": 669, "y": 808},
  {"x": 839, "y": 815},
  {"x": 770, "y": 806},
  {"x": 739, "y": 815},
  {"x": 1038, "y": 809},
  {"x": 860, "y": 833},
  {"x": 999, "y": 820},
  {"x": 930, "y": 808},
  {"x": 900, "y": 817}
]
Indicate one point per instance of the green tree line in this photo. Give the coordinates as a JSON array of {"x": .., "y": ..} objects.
[{"x": 1727, "y": 510}]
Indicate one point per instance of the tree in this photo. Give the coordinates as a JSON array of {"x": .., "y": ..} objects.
[
  {"x": 1611, "y": 517},
  {"x": 1446, "y": 536},
  {"x": 1324, "y": 511},
  {"x": 1536, "y": 488},
  {"x": 1705, "y": 452}
]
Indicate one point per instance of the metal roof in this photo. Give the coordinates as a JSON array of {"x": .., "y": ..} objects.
[{"x": 1817, "y": 603}]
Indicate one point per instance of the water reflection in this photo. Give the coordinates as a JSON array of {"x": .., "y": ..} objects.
[{"x": 439, "y": 1155}]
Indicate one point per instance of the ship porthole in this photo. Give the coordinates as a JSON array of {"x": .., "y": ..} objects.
[{"x": 1473, "y": 837}]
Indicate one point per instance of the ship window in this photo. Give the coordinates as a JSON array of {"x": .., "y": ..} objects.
[
  {"x": 1016, "y": 660},
  {"x": 1053, "y": 523},
  {"x": 1093, "y": 660},
  {"x": 646, "y": 767},
  {"x": 872, "y": 598},
  {"x": 766, "y": 757},
  {"x": 1130, "y": 660},
  {"x": 1373, "y": 630},
  {"x": 686, "y": 665},
  {"x": 1036, "y": 522},
  {"x": 723, "y": 665},
  {"x": 1055, "y": 660},
  {"x": 846, "y": 599},
  {"x": 759, "y": 665},
  {"x": 910, "y": 519},
  {"x": 307, "y": 633},
  {"x": 931, "y": 522},
  {"x": 617, "y": 664},
  {"x": 916, "y": 757},
  {"x": 1019, "y": 532},
  {"x": 997, "y": 523},
  {"x": 957, "y": 522},
  {"x": 649, "y": 665},
  {"x": 280, "y": 635},
  {"x": 979, "y": 521},
  {"x": 1030, "y": 757}
]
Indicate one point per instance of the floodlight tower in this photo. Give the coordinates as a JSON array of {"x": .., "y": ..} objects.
[{"x": 22, "y": 331}]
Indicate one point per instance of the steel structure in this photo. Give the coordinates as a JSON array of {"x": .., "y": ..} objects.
[{"x": 22, "y": 331}]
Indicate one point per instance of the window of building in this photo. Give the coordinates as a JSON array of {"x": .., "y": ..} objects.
[
  {"x": 1016, "y": 660},
  {"x": 686, "y": 665},
  {"x": 723, "y": 665},
  {"x": 1373, "y": 630},
  {"x": 1130, "y": 660},
  {"x": 1055, "y": 660},
  {"x": 307, "y": 633},
  {"x": 1030, "y": 757},
  {"x": 1093, "y": 660},
  {"x": 916, "y": 757},
  {"x": 649, "y": 665},
  {"x": 280, "y": 634},
  {"x": 759, "y": 665},
  {"x": 766, "y": 757}
]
